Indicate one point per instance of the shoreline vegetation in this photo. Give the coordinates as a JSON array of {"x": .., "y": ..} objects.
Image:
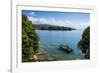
[
  {"x": 31, "y": 46},
  {"x": 84, "y": 43},
  {"x": 52, "y": 27}
]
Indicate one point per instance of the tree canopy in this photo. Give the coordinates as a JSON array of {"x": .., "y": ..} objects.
[
  {"x": 52, "y": 27},
  {"x": 84, "y": 43},
  {"x": 30, "y": 40}
]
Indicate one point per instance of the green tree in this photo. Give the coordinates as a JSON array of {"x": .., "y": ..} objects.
[
  {"x": 30, "y": 40},
  {"x": 84, "y": 43}
]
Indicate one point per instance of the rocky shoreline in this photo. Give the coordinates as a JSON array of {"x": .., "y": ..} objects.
[{"x": 44, "y": 56}]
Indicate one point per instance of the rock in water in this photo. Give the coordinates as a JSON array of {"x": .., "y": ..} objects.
[{"x": 66, "y": 48}]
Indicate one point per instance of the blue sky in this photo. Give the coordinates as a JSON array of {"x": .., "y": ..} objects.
[{"x": 69, "y": 19}]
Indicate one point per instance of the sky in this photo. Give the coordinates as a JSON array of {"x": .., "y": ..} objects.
[{"x": 76, "y": 20}]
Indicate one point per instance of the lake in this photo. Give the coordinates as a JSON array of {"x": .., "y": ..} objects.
[{"x": 50, "y": 41}]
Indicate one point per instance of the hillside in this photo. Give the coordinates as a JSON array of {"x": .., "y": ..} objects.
[{"x": 52, "y": 27}]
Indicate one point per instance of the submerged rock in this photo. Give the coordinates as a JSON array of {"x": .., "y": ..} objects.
[
  {"x": 66, "y": 48},
  {"x": 43, "y": 57}
]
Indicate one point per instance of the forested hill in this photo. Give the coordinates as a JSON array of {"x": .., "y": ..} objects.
[
  {"x": 30, "y": 40},
  {"x": 52, "y": 27}
]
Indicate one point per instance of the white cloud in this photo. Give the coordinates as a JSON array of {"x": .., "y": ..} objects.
[
  {"x": 53, "y": 21},
  {"x": 43, "y": 21},
  {"x": 32, "y": 19},
  {"x": 39, "y": 20},
  {"x": 32, "y": 13},
  {"x": 85, "y": 25},
  {"x": 80, "y": 25}
]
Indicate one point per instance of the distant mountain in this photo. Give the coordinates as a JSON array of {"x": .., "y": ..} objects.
[{"x": 52, "y": 27}]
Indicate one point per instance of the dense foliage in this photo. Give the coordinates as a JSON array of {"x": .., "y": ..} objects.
[
  {"x": 52, "y": 27},
  {"x": 84, "y": 43},
  {"x": 30, "y": 40}
]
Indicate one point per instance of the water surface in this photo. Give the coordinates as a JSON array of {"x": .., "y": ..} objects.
[{"x": 50, "y": 41}]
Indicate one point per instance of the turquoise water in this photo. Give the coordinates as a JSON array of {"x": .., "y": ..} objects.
[{"x": 50, "y": 41}]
